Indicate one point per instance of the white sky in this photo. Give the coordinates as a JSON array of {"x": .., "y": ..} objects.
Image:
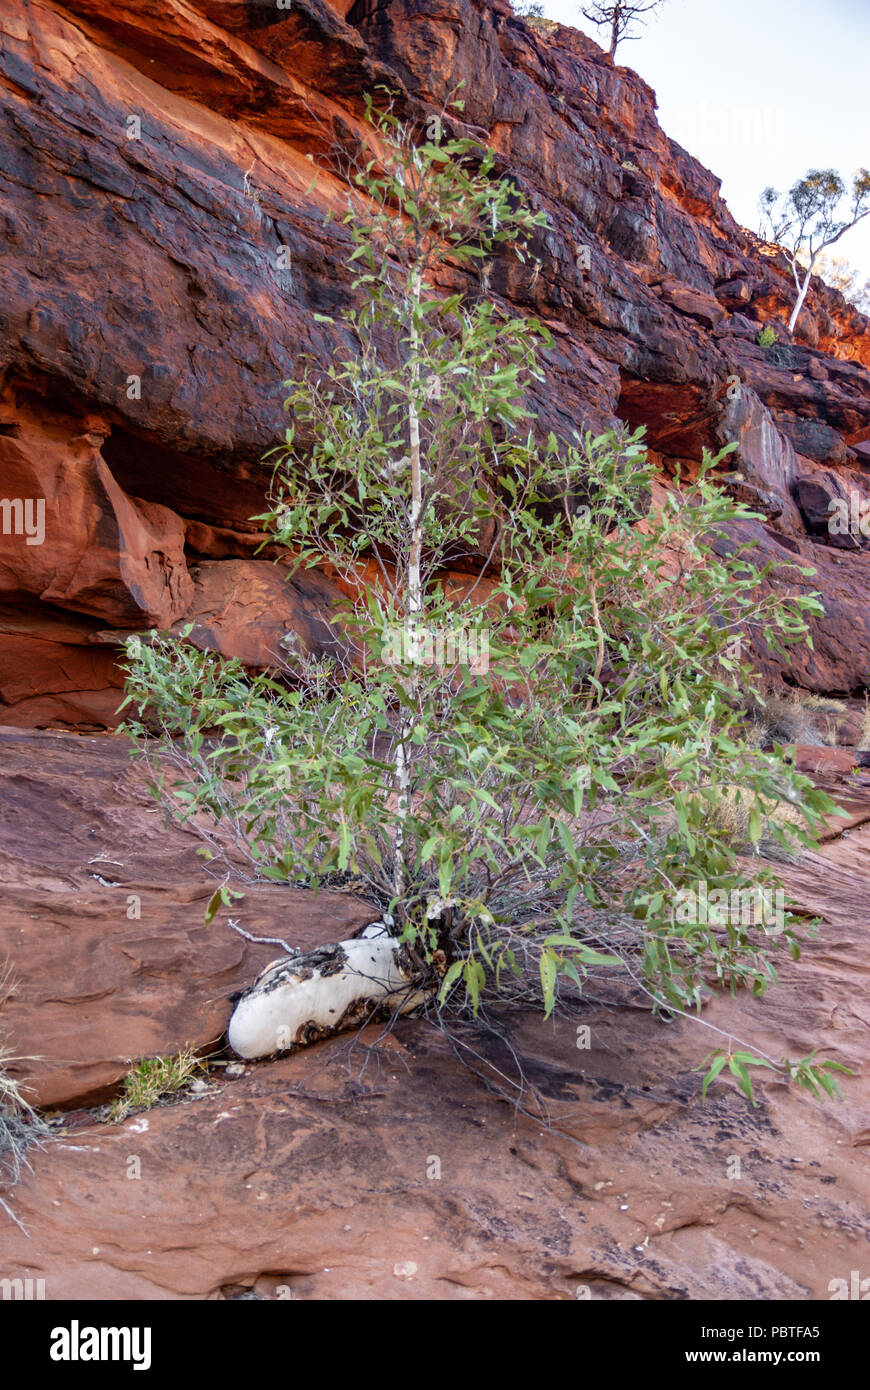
[{"x": 760, "y": 91}]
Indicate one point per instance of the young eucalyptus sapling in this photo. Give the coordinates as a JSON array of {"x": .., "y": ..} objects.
[{"x": 521, "y": 824}]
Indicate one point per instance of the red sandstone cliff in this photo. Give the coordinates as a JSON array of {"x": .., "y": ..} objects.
[
  {"x": 146, "y": 326},
  {"x": 157, "y": 154}
]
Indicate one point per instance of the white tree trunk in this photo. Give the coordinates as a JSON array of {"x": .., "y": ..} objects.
[
  {"x": 414, "y": 601},
  {"x": 301, "y": 999},
  {"x": 804, "y": 288}
]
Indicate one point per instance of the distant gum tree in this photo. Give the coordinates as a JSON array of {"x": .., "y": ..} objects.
[
  {"x": 619, "y": 17},
  {"x": 808, "y": 219}
]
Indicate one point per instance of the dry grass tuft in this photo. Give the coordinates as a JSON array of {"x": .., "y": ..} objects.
[
  {"x": 787, "y": 718},
  {"x": 731, "y": 815},
  {"x": 20, "y": 1126}
]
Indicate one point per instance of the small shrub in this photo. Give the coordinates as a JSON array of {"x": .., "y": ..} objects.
[
  {"x": 766, "y": 338},
  {"x": 152, "y": 1079},
  {"x": 784, "y": 355}
]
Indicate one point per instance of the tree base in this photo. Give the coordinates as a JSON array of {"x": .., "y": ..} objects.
[{"x": 304, "y": 998}]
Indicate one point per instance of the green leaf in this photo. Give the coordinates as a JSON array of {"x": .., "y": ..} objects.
[
  {"x": 716, "y": 1067},
  {"x": 549, "y": 967},
  {"x": 453, "y": 973},
  {"x": 214, "y": 903},
  {"x": 738, "y": 1070},
  {"x": 590, "y": 957}
]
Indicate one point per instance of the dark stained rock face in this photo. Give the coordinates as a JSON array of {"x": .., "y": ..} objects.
[
  {"x": 164, "y": 175},
  {"x": 839, "y": 660}
]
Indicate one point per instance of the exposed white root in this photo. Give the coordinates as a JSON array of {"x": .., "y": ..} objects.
[{"x": 300, "y": 999}]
